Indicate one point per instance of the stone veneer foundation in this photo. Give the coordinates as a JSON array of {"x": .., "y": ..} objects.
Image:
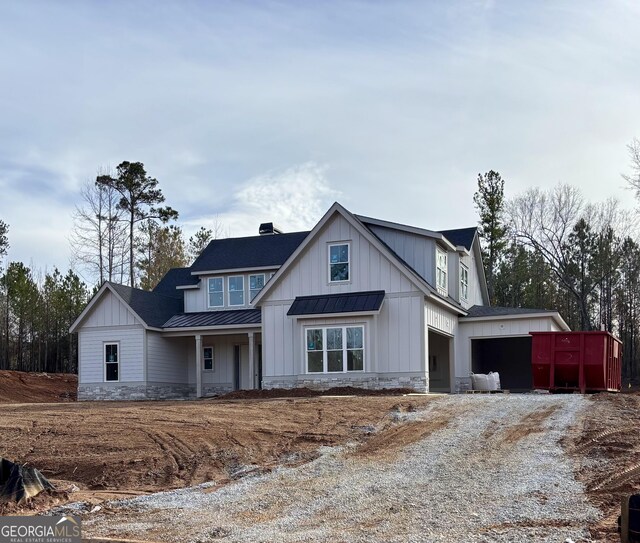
[
  {"x": 419, "y": 383},
  {"x": 136, "y": 392}
]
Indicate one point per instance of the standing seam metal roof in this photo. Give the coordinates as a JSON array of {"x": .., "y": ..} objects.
[{"x": 337, "y": 303}]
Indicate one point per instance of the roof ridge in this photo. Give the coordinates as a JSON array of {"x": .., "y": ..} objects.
[{"x": 142, "y": 290}]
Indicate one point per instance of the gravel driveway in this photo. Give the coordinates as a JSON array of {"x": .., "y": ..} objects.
[{"x": 480, "y": 468}]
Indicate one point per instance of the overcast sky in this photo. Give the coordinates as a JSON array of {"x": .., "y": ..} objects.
[{"x": 257, "y": 111}]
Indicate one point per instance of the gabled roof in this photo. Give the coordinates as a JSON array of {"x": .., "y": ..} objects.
[
  {"x": 175, "y": 277},
  {"x": 215, "y": 318},
  {"x": 350, "y": 302},
  {"x": 153, "y": 308},
  {"x": 401, "y": 265},
  {"x": 250, "y": 252},
  {"x": 461, "y": 237}
]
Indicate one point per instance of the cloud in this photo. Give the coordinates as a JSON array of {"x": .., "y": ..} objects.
[{"x": 294, "y": 198}]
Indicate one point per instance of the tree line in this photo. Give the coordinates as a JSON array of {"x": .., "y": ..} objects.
[
  {"x": 552, "y": 249},
  {"x": 123, "y": 233}
]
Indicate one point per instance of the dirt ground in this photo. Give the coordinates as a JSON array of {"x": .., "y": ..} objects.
[
  {"x": 124, "y": 448},
  {"x": 103, "y": 450},
  {"x": 607, "y": 455},
  {"x": 23, "y": 387}
]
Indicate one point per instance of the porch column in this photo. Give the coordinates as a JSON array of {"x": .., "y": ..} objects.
[
  {"x": 251, "y": 361},
  {"x": 198, "y": 366}
]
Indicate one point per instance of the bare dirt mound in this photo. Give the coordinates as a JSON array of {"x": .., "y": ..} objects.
[
  {"x": 608, "y": 454},
  {"x": 25, "y": 387}
]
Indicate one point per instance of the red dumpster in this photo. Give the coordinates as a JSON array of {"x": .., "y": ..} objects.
[{"x": 584, "y": 361}]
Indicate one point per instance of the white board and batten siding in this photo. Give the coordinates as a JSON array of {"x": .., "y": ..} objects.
[
  {"x": 483, "y": 329},
  {"x": 394, "y": 339},
  {"x": 417, "y": 251},
  {"x": 110, "y": 321}
]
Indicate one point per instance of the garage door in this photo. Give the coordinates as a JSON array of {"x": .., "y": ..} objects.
[{"x": 511, "y": 357}]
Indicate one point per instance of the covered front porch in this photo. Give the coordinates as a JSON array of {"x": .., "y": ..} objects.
[{"x": 222, "y": 356}]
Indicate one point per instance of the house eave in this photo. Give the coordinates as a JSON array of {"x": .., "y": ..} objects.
[
  {"x": 235, "y": 270},
  {"x": 519, "y": 316}
]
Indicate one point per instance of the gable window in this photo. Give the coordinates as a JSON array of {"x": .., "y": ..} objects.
[
  {"x": 216, "y": 292},
  {"x": 207, "y": 358},
  {"x": 111, "y": 362},
  {"x": 256, "y": 283},
  {"x": 236, "y": 290},
  {"x": 441, "y": 270},
  {"x": 464, "y": 282},
  {"x": 339, "y": 262},
  {"x": 335, "y": 349}
]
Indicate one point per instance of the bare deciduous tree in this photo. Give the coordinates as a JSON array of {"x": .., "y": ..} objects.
[
  {"x": 574, "y": 238},
  {"x": 99, "y": 238}
]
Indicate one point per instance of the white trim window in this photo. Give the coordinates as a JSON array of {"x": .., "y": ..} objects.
[
  {"x": 441, "y": 270},
  {"x": 216, "y": 292},
  {"x": 236, "y": 289},
  {"x": 464, "y": 282},
  {"x": 339, "y": 263},
  {"x": 256, "y": 284},
  {"x": 335, "y": 349},
  {"x": 207, "y": 359},
  {"x": 112, "y": 361}
]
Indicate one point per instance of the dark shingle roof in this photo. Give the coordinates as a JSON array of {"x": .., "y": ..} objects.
[
  {"x": 251, "y": 252},
  {"x": 494, "y": 311},
  {"x": 175, "y": 277},
  {"x": 337, "y": 303},
  {"x": 215, "y": 318},
  {"x": 460, "y": 236},
  {"x": 153, "y": 308}
]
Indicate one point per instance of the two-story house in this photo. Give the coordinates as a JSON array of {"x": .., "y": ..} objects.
[{"x": 356, "y": 301}]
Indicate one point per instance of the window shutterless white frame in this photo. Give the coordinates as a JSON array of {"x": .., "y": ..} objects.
[
  {"x": 112, "y": 360},
  {"x": 351, "y": 347},
  {"x": 208, "y": 359},
  {"x": 215, "y": 281},
  {"x": 253, "y": 292},
  {"x": 338, "y": 261},
  {"x": 235, "y": 290},
  {"x": 441, "y": 270},
  {"x": 464, "y": 282}
]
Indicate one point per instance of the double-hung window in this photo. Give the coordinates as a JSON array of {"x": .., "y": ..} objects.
[
  {"x": 441, "y": 270},
  {"x": 207, "y": 358},
  {"x": 464, "y": 282},
  {"x": 335, "y": 349},
  {"x": 111, "y": 362},
  {"x": 339, "y": 262},
  {"x": 256, "y": 283},
  {"x": 216, "y": 292},
  {"x": 236, "y": 290}
]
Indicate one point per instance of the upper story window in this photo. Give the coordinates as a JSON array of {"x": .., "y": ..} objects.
[
  {"x": 441, "y": 269},
  {"x": 464, "y": 282},
  {"x": 256, "y": 283},
  {"x": 339, "y": 262},
  {"x": 216, "y": 292},
  {"x": 236, "y": 290}
]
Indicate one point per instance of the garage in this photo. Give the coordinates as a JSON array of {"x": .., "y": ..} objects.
[{"x": 509, "y": 356}]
